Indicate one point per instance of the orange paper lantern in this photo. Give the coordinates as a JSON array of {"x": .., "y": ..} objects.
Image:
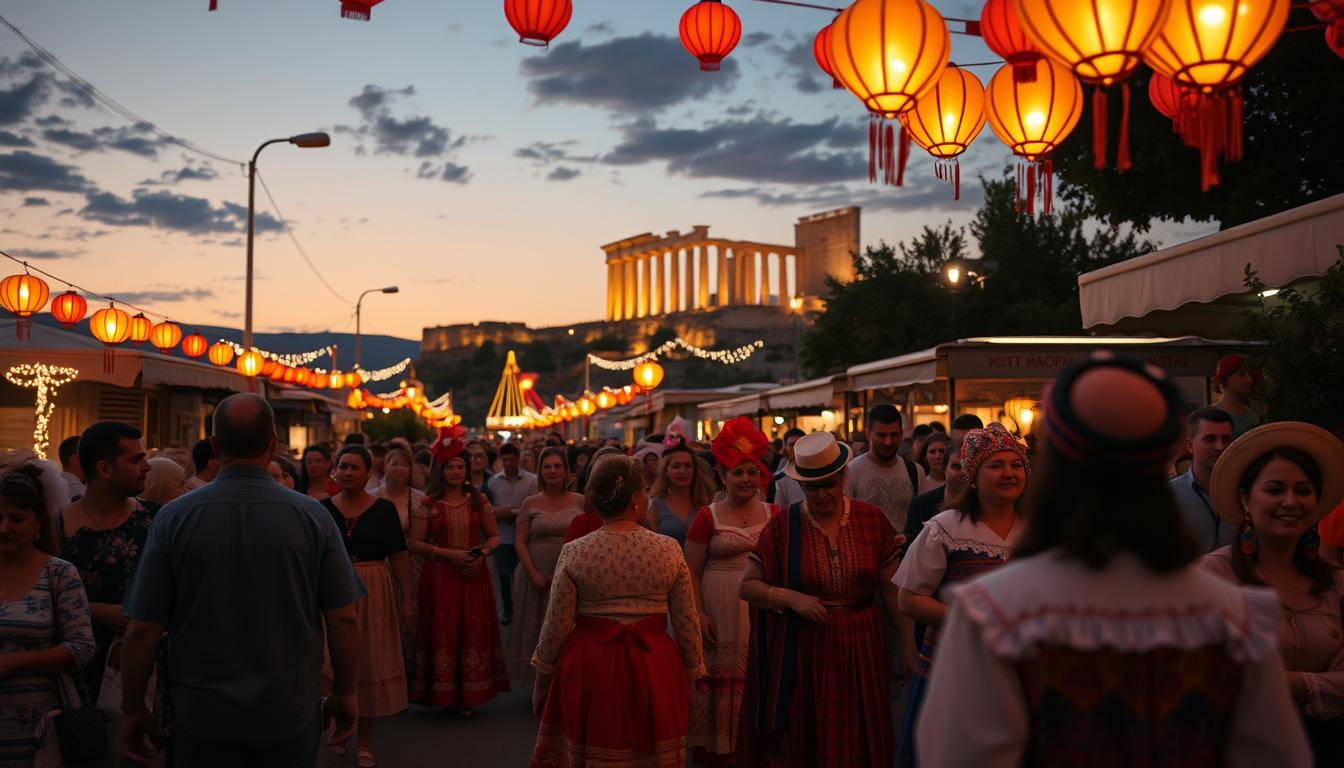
[
  {"x": 221, "y": 353},
  {"x": 23, "y": 295},
  {"x": 1032, "y": 118},
  {"x": 353, "y": 379},
  {"x": 946, "y": 119},
  {"x": 111, "y": 326},
  {"x": 648, "y": 375},
  {"x": 1003, "y": 34},
  {"x": 710, "y": 31},
  {"x": 250, "y": 363},
  {"x": 194, "y": 345},
  {"x": 821, "y": 53},
  {"x": 69, "y": 308},
  {"x": 165, "y": 336},
  {"x": 140, "y": 327},
  {"x": 335, "y": 380},
  {"x": 302, "y": 376},
  {"x": 1208, "y": 46},
  {"x": 538, "y": 22}
]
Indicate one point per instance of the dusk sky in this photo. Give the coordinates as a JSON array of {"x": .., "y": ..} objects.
[{"x": 479, "y": 175}]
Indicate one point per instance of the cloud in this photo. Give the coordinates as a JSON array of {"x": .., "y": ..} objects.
[
  {"x": 34, "y": 202},
  {"x": 758, "y": 149},
  {"x": 137, "y": 140},
  {"x": 166, "y": 296},
  {"x": 25, "y": 171},
  {"x": 168, "y": 210},
  {"x": 922, "y": 192},
  {"x": 757, "y": 38},
  {"x": 801, "y": 66},
  {"x": 189, "y": 172},
  {"x": 29, "y": 85},
  {"x": 545, "y": 153},
  {"x": 414, "y": 136},
  {"x": 8, "y": 139},
  {"x": 643, "y": 73},
  {"x": 600, "y": 28},
  {"x": 40, "y": 254},
  {"x": 562, "y": 173}
]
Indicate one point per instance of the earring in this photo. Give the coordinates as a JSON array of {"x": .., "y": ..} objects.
[
  {"x": 1311, "y": 543},
  {"x": 1248, "y": 543}
]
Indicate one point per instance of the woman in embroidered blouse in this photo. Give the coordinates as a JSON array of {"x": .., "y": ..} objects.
[
  {"x": 683, "y": 486},
  {"x": 971, "y": 536},
  {"x": 1101, "y": 643},
  {"x": 717, "y": 544},
  {"x": 45, "y": 629},
  {"x": 459, "y": 660},
  {"x": 816, "y": 693},
  {"x": 612, "y": 684},
  {"x": 542, "y": 521},
  {"x": 1274, "y": 484}
]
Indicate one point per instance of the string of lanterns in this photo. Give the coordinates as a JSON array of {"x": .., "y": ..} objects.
[{"x": 724, "y": 356}]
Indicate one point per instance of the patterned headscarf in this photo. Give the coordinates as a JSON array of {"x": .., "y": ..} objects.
[
  {"x": 979, "y": 444},
  {"x": 449, "y": 444},
  {"x": 739, "y": 440}
]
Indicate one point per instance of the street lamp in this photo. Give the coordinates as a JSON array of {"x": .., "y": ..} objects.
[
  {"x": 305, "y": 140},
  {"x": 955, "y": 271},
  {"x": 358, "y": 302},
  {"x": 796, "y": 309}
]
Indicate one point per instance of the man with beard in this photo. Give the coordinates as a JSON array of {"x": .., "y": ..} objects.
[{"x": 1210, "y": 431}]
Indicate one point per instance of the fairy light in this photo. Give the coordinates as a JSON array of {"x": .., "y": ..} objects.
[
  {"x": 295, "y": 360},
  {"x": 383, "y": 374},
  {"x": 724, "y": 356},
  {"x": 46, "y": 379}
]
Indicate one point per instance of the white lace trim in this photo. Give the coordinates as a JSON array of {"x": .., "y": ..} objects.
[
  {"x": 958, "y": 544},
  {"x": 1249, "y": 634}
]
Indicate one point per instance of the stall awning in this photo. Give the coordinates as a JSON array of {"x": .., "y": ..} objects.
[
  {"x": 902, "y": 371},
  {"x": 817, "y": 393},
  {"x": 1197, "y": 287},
  {"x": 158, "y": 369},
  {"x": 722, "y": 410}
]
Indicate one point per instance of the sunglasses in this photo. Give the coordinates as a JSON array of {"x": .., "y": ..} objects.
[{"x": 820, "y": 485}]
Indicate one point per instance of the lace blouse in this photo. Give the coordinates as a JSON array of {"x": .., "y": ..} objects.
[{"x": 624, "y": 576}]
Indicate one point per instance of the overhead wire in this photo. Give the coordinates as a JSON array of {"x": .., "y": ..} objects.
[{"x": 294, "y": 239}]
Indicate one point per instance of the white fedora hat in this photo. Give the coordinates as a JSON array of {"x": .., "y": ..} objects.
[{"x": 816, "y": 457}]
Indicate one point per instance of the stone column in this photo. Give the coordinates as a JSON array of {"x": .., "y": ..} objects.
[
  {"x": 611, "y": 292},
  {"x": 765, "y": 279},
  {"x": 738, "y": 290},
  {"x": 785, "y": 280},
  {"x": 702, "y": 259},
  {"x": 630, "y": 285},
  {"x": 679, "y": 286},
  {"x": 655, "y": 269},
  {"x": 723, "y": 298},
  {"x": 749, "y": 277}
]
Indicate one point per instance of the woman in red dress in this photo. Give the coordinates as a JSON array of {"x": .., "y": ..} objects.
[
  {"x": 459, "y": 660},
  {"x": 816, "y": 690},
  {"x": 612, "y": 685}
]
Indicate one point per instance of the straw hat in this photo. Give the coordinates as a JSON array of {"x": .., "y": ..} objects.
[
  {"x": 816, "y": 457},
  {"x": 1317, "y": 443}
]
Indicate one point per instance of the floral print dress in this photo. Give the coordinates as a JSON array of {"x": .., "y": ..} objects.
[{"x": 106, "y": 561}]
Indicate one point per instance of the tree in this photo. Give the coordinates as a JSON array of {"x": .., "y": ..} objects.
[
  {"x": 1294, "y": 106},
  {"x": 1303, "y": 356},
  {"x": 537, "y": 358},
  {"x": 399, "y": 423},
  {"x": 899, "y": 302}
]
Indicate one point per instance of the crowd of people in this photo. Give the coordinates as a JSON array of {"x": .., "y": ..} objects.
[{"x": 1137, "y": 586}]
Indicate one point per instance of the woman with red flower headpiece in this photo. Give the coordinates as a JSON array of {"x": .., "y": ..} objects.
[
  {"x": 721, "y": 536},
  {"x": 1236, "y": 380},
  {"x": 459, "y": 660}
]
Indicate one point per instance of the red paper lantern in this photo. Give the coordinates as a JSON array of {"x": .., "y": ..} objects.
[
  {"x": 359, "y": 10},
  {"x": 1334, "y": 37},
  {"x": 23, "y": 295},
  {"x": 165, "y": 336},
  {"x": 821, "y": 51},
  {"x": 69, "y": 308},
  {"x": 221, "y": 353},
  {"x": 538, "y": 22},
  {"x": 268, "y": 366},
  {"x": 1003, "y": 34},
  {"x": 139, "y": 328},
  {"x": 194, "y": 345},
  {"x": 302, "y": 376},
  {"x": 710, "y": 31},
  {"x": 1179, "y": 104}
]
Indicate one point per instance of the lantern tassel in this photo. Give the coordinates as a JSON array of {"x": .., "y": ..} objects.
[
  {"x": 956, "y": 179},
  {"x": 836, "y": 84},
  {"x": 889, "y": 154},
  {"x": 354, "y": 10},
  {"x": 214, "y": 5},
  {"x": 1031, "y": 190},
  {"x": 1099, "y": 128},
  {"x": 903, "y": 156},
  {"x": 872, "y": 150},
  {"x": 1024, "y": 67},
  {"x": 1122, "y": 161},
  {"x": 109, "y": 360},
  {"x": 23, "y": 328},
  {"x": 1048, "y": 185}
]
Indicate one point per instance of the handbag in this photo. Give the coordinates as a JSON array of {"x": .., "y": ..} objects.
[{"x": 80, "y": 732}]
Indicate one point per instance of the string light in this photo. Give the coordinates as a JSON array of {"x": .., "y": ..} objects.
[
  {"x": 383, "y": 374},
  {"x": 724, "y": 356},
  {"x": 294, "y": 360},
  {"x": 46, "y": 379}
]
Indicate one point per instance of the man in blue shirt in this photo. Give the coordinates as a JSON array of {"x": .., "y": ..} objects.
[
  {"x": 1210, "y": 431},
  {"x": 241, "y": 574}
]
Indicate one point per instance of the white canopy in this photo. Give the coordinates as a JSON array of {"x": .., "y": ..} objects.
[{"x": 1198, "y": 287}]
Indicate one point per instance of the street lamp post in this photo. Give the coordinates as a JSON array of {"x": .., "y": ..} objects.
[
  {"x": 358, "y": 302},
  {"x": 955, "y": 272},
  {"x": 307, "y": 140},
  {"x": 796, "y": 307}
]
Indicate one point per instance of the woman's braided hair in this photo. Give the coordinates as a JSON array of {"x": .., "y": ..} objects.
[{"x": 612, "y": 485}]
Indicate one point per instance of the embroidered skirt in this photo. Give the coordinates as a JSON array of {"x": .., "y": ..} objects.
[
  {"x": 619, "y": 698},
  {"x": 382, "y": 668}
]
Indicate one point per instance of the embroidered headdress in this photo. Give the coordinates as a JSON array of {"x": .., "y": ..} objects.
[
  {"x": 979, "y": 444},
  {"x": 739, "y": 440},
  {"x": 449, "y": 444}
]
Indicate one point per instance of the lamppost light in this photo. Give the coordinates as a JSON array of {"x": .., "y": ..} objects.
[
  {"x": 391, "y": 289},
  {"x": 953, "y": 274},
  {"x": 311, "y": 140}
]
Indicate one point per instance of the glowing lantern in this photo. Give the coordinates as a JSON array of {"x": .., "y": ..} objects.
[
  {"x": 250, "y": 363},
  {"x": 165, "y": 336},
  {"x": 195, "y": 345},
  {"x": 538, "y": 22},
  {"x": 888, "y": 53},
  {"x": 69, "y": 308},
  {"x": 1208, "y": 45},
  {"x": 946, "y": 119},
  {"x": 1179, "y": 104},
  {"x": 709, "y": 32},
  {"x": 140, "y": 328},
  {"x": 1003, "y": 34},
  {"x": 111, "y": 326},
  {"x": 277, "y": 372},
  {"x": 302, "y": 376},
  {"x": 1102, "y": 41},
  {"x": 1022, "y": 410},
  {"x": 23, "y": 295},
  {"x": 221, "y": 353},
  {"x": 1032, "y": 119},
  {"x": 605, "y": 400},
  {"x": 359, "y": 10},
  {"x": 335, "y": 380},
  {"x": 586, "y": 406},
  {"x": 821, "y": 52},
  {"x": 355, "y": 399},
  {"x": 353, "y": 379},
  {"x": 291, "y": 375},
  {"x": 648, "y": 375}
]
